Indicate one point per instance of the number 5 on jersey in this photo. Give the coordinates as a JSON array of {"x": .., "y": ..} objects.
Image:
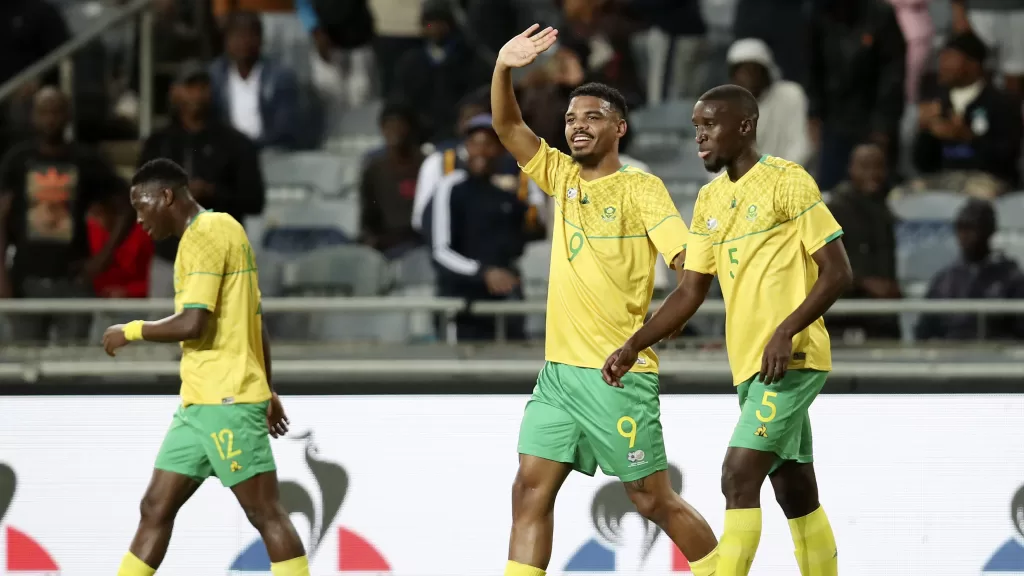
[{"x": 732, "y": 261}]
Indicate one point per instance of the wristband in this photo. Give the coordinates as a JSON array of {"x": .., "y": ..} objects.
[{"x": 133, "y": 330}]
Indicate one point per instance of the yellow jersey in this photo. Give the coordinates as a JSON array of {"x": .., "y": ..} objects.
[
  {"x": 758, "y": 234},
  {"x": 215, "y": 270},
  {"x": 606, "y": 239}
]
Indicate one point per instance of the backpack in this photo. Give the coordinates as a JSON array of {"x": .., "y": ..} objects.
[{"x": 348, "y": 23}]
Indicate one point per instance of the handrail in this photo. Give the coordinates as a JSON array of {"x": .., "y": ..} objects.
[{"x": 72, "y": 46}]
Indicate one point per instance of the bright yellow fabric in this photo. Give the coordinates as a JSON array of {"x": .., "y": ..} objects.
[
  {"x": 215, "y": 270},
  {"x": 816, "y": 552},
  {"x": 133, "y": 330},
  {"x": 517, "y": 569},
  {"x": 758, "y": 235},
  {"x": 706, "y": 566},
  {"x": 606, "y": 239},
  {"x": 294, "y": 567},
  {"x": 739, "y": 541},
  {"x": 132, "y": 566}
]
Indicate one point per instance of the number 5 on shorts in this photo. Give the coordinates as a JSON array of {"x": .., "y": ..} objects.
[
  {"x": 766, "y": 401},
  {"x": 631, "y": 433}
]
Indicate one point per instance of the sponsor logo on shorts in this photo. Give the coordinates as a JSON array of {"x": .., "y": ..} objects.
[
  {"x": 761, "y": 431},
  {"x": 636, "y": 458},
  {"x": 235, "y": 466}
]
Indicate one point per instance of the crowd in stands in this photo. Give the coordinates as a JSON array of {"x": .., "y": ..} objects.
[{"x": 879, "y": 100}]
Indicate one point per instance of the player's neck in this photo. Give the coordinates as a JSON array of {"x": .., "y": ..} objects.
[
  {"x": 610, "y": 164},
  {"x": 742, "y": 164},
  {"x": 189, "y": 211}
]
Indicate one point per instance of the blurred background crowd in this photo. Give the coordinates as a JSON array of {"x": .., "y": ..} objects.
[{"x": 335, "y": 130}]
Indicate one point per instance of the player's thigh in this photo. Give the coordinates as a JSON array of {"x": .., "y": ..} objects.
[
  {"x": 548, "y": 430},
  {"x": 235, "y": 438},
  {"x": 166, "y": 493},
  {"x": 182, "y": 450},
  {"x": 622, "y": 425},
  {"x": 775, "y": 418}
]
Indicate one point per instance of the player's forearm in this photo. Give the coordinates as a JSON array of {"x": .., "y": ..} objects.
[
  {"x": 676, "y": 311},
  {"x": 505, "y": 110},
  {"x": 185, "y": 325},
  {"x": 833, "y": 280}
]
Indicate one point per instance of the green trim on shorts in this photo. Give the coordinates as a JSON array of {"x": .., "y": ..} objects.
[{"x": 775, "y": 418}]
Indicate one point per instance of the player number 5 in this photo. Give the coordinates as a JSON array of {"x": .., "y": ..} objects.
[
  {"x": 766, "y": 401},
  {"x": 732, "y": 260},
  {"x": 631, "y": 433},
  {"x": 226, "y": 439}
]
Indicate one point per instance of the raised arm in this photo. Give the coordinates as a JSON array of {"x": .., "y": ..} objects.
[{"x": 520, "y": 51}]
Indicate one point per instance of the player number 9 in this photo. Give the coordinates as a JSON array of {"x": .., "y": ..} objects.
[
  {"x": 631, "y": 434},
  {"x": 575, "y": 245}
]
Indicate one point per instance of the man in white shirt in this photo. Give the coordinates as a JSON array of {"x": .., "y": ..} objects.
[{"x": 782, "y": 123}]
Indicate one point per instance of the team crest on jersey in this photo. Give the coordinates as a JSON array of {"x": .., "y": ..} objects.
[
  {"x": 571, "y": 193},
  {"x": 712, "y": 224},
  {"x": 609, "y": 214},
  {"x": 752, "y": 213}
]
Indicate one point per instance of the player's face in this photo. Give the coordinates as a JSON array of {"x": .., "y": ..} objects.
[
  {"x": 482, "y": 150},
  {"x": 868, "y": 170},
  {"x": 721, "y": 133},
  {"x": 592, "y": 129},
  {"x": 152, "y": 212}
]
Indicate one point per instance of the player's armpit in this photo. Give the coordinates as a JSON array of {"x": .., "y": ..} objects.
[{"x": 189, "y": 324}]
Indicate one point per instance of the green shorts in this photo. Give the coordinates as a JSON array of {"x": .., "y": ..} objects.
[
  {"x": 574, "y": 417},
  {"x": 774, "y": 418},
  {"x": 228, "y": 441}
]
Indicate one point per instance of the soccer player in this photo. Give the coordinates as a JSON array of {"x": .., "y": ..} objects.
[
  {"x": 611, "y": 223},
  {"x": 762, "y": 227},
  {"x": 228, "y": 406}
]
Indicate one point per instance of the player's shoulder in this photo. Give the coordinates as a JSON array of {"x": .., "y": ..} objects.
[
  {"x": 209, "y": 226},
  {"x": 788, "y": 175}
]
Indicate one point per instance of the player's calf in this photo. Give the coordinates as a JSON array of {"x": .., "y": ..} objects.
[
  {"x": 258, "y": 497},
  {"x": 533, "y": 506},
  {"x": 165, "y": 495},
  {"x": 796, "y": 490}
]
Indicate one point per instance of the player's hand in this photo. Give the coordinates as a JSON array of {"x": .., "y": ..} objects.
[
  {"x": 523, "y": 49},
  {"x": 113, "y": 338},
  {"x": 617, "y": 365},
  {"x": 500, "y": 281},
  {"x": 776, "y": 357},
  {"x": 277, "y": 422}
]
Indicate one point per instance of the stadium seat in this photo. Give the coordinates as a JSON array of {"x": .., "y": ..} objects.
[
  {"x": 360, "y": 121},
  {"x": 921, "y": 254},
  {"x": 1012, "y": 243},
  {"x": 934, "y": 206},
  {"x": 298, "y": 227},
  {"x": 662, "y": 131},
  {"x": 535, "y": 266},
  {"x": 1010, "y": 211},
  {"x": 325, "y": 173},
  {"x": 414, "y": 268}
]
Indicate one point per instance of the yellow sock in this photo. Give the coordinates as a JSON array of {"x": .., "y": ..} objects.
[
  {"x": 514, "y": 568},
  {"x": 706, "y": 566},
  {"x": 294, "y": 567},
  {"x": 132, "y": 566},
  {"x": 816, "y": 552},
  {"x": 739, "y": 541}
]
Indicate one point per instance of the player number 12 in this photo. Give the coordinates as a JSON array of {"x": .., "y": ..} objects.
[{"x": 226, "y": 439}]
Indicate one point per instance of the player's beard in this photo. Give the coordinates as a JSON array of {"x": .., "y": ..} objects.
[
  {"x": 588, "y": 159},
  {"x": 714, "y": 165}
]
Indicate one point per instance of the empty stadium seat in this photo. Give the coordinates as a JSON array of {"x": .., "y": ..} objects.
[
  {"x": 414, "y": 268},
  {"x": 305, "y": 225},
  {"x": 360, "y": 121},
  {"x": 920, "y": 256},
  {"x": 322, "y": 172},
  {"x": 936, "y": 206},
  {"x": 1010, "y": 211}
]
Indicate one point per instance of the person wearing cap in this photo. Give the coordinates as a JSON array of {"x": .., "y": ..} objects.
[
  {"x": 436, "y": 76},
  {"x": 979, "y": 273},
  {"x": 782, "y": 123},
  {"x": 387, "y": 188},
  {"x": 477, "y": 234},
  {"x": 969, "y": 131},
  {"x": 856, "y": 82},
  {"x": 221, "y": 161},
  {"x": 1000, "y": 24}
]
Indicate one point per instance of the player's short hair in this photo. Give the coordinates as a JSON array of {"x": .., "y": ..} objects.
[
  {"x": 243, "y": 19},
  {"x": 735, "y": 95},
  {"x": 604, "y": 92},
  {"x": 163, "y": 172}
]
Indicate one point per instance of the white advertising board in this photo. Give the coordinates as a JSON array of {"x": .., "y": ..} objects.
[{"x": 420, "y": 486}]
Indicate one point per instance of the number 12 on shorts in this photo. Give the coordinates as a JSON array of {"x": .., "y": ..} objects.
[{"x": 225, "y": 442}]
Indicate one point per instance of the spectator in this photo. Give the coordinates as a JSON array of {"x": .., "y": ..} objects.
[
  {"x": 600, "y": 32},
  {"x": 398, "y": 32},
  {"x": 494, "y": 21},
  {"x": 253, "y": 92},
  {"x": 435, "y": 77},
  {"x": 782, "y": 25},
  {"x": 223, "y": 164},
  {"x": 916, "y": 23},
  {"x": 782, "y": 120},
  {"x": 46, "y": 188},
  {"x": 388, "y": 185},
  {"x": 970, "y": 134},
  {"x": 507, "y": 176},
  {"x": 1000, "y": 24},
  {"x": 980, "y": 273},
  {"x": 676, "y": 44},
  {"x": 128, "y": 273},
  {"x": 869, "y": 235},
  {"x": 476, "y": 230},
  {"x": 855, "y": 90}
]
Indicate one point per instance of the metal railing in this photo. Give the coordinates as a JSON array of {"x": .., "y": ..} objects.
[{"x": 61, "y": 57}]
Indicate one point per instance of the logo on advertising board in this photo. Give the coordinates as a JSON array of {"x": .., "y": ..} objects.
[
  {"x": 606, "y": 551},
  {"x": 1010, "y": 556},
  {"x": 355, "y": 553},
  {"x": 24, "y": 554}
]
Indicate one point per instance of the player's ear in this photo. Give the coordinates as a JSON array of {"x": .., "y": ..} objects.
[{"x": 621, "y": 128}]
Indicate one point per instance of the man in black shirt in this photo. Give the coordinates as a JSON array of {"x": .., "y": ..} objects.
[
  {"x": 46, "y": 188},
  {"x": 223, "y": 163}
]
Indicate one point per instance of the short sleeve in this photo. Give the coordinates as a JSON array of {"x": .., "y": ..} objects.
[
  {"x": 700, "y": 253},
  {"x": 203, "y": 259},
  {"x": 547, "y": 168},
  {"x": 661, "y": 219},
  {"x": 801, "y": 202}
]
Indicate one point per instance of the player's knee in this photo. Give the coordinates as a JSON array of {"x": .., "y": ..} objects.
[
  {"x": 156, "y": 510},
  {"x": 651, "y": 505},
  {"x": 738, "y": 484},
  {"x": 531, "y": 496},
  {"x": 263, "y": 515}
]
